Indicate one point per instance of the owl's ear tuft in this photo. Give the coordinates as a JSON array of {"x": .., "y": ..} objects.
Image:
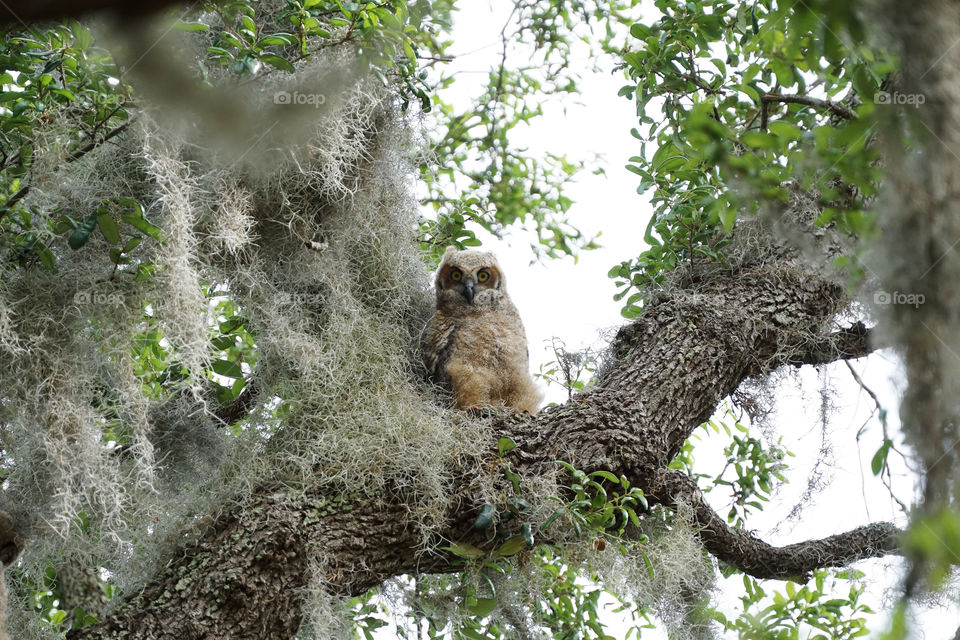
[{"x": 443, "y": 277}]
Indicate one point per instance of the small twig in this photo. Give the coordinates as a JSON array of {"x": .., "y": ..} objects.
[
  {"x": 93, "y": 144},
  {"x": 764, "y": 114},
  {"x": 885, "y": 476},
  {"x": 13, "y": 199},
  {"x": 106, "y": 118},
  {"x": 503, "y": 58},
  {"x": 694, "y": 76}
]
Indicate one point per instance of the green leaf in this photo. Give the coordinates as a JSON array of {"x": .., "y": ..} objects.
[
  {"x": 785, "y": 130},
  {"x": 408, "y": 51},
  {"x": 513, "y": 478},
  {"x": 505, "y": 445},
  {"x": 47, "y": 258},
  {"x": 82, "y": 38},
  {"x": 553, "y": 518},
  {"x": 646, "y": 561},
  {"x": 180, "y": 25},
  {"x": 639, "y": 30},
  {"x": 485, "y": 519},
  {"x": 513, "y": 545},
  {"x": 277, "y": 39},
  {"x": 81, "y": 234},
  {"x": 880, "y": 457},
  {"x": 728, "y": 217},
  {"x": 108, "y": 226},
  {"x": 606, "y": 475},
  {"x": 231, "y": 324},
  {"x": 527, "y": 532},
  {"x": 144, "y": 225},
  {"x": 759, "y": 140},
  {"x": 481, "y": 606},
  {"x": 224, "y": 342},
  {"x": 671, "y": 163},
  {"x": 280, "y": 63},
  {"x": 227, "y": 368}
]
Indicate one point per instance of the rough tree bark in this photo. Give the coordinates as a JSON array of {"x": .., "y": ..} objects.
[{"x": 243, "y": 574}]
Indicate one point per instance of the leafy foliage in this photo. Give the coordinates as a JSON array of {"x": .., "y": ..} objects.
[
  {"x": 737, "y": 101},
  {"x": 809, "y": 609},
  {"x": 475, "y": 173},
  {"x": 567, "y": 603},
  {"x": 607, "y": 516},
  {"x": 52, "y": 74},
  {"x": 752, "y": 468}
]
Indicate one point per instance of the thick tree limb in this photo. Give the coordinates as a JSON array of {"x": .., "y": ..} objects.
[
  {"x": 244, "y": 575},
  {"x": 849, "y": 343},
  {"x": 741, "y": 549}
]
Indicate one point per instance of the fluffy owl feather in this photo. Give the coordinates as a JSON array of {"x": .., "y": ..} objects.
[{"x": 475, "y": 344}]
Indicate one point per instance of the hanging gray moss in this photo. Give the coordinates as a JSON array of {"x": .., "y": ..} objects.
[{"x": 306, "y": 220}]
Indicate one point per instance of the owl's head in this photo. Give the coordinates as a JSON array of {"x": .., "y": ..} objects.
[{"x": 469, "y": 280}]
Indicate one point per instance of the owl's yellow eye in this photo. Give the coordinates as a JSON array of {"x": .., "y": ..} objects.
[
  {"x": 483, "y": 276},
  {"x": 456, "y": 275}
]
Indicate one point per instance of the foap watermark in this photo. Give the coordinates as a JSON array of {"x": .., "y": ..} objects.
[
  {"x": 295, "y": 97},
  {"x": 116, "y": 100},
  {"x": 112, "y": 299},
  {"x": 897, "y": 98},
  {"x": 897, "y": 297}
]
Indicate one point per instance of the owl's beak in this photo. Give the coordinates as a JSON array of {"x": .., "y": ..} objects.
[{"x": 468, "y": 289}]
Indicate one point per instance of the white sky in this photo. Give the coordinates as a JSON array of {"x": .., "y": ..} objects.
[{"x": 575, "y": 302}]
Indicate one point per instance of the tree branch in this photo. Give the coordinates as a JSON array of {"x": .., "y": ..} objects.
[
  {"x": 759, "y": 559},
  {"x": 72, "y": 157},
  {"x": 242, "y": 575},
  {"x": 93, "y": 144},
  {"x": 850, "y": 343},
  {"x": 836, "y": 109}
]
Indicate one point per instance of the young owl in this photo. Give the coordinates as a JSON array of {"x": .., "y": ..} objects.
[{"x": 475, "y": 344}]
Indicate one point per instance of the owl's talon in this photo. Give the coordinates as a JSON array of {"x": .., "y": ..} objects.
[{"x": 480, "y": 412}]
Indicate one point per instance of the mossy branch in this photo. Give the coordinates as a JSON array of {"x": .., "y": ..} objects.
[
  {"x": 677, "y": 361},
  {"x": 741, "y": 549}
]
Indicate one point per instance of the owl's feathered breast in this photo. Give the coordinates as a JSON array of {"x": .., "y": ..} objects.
[{"x": 489, "y": 338}]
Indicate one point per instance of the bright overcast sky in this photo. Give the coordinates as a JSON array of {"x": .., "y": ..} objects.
[{"x": 559, "y": 298}]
